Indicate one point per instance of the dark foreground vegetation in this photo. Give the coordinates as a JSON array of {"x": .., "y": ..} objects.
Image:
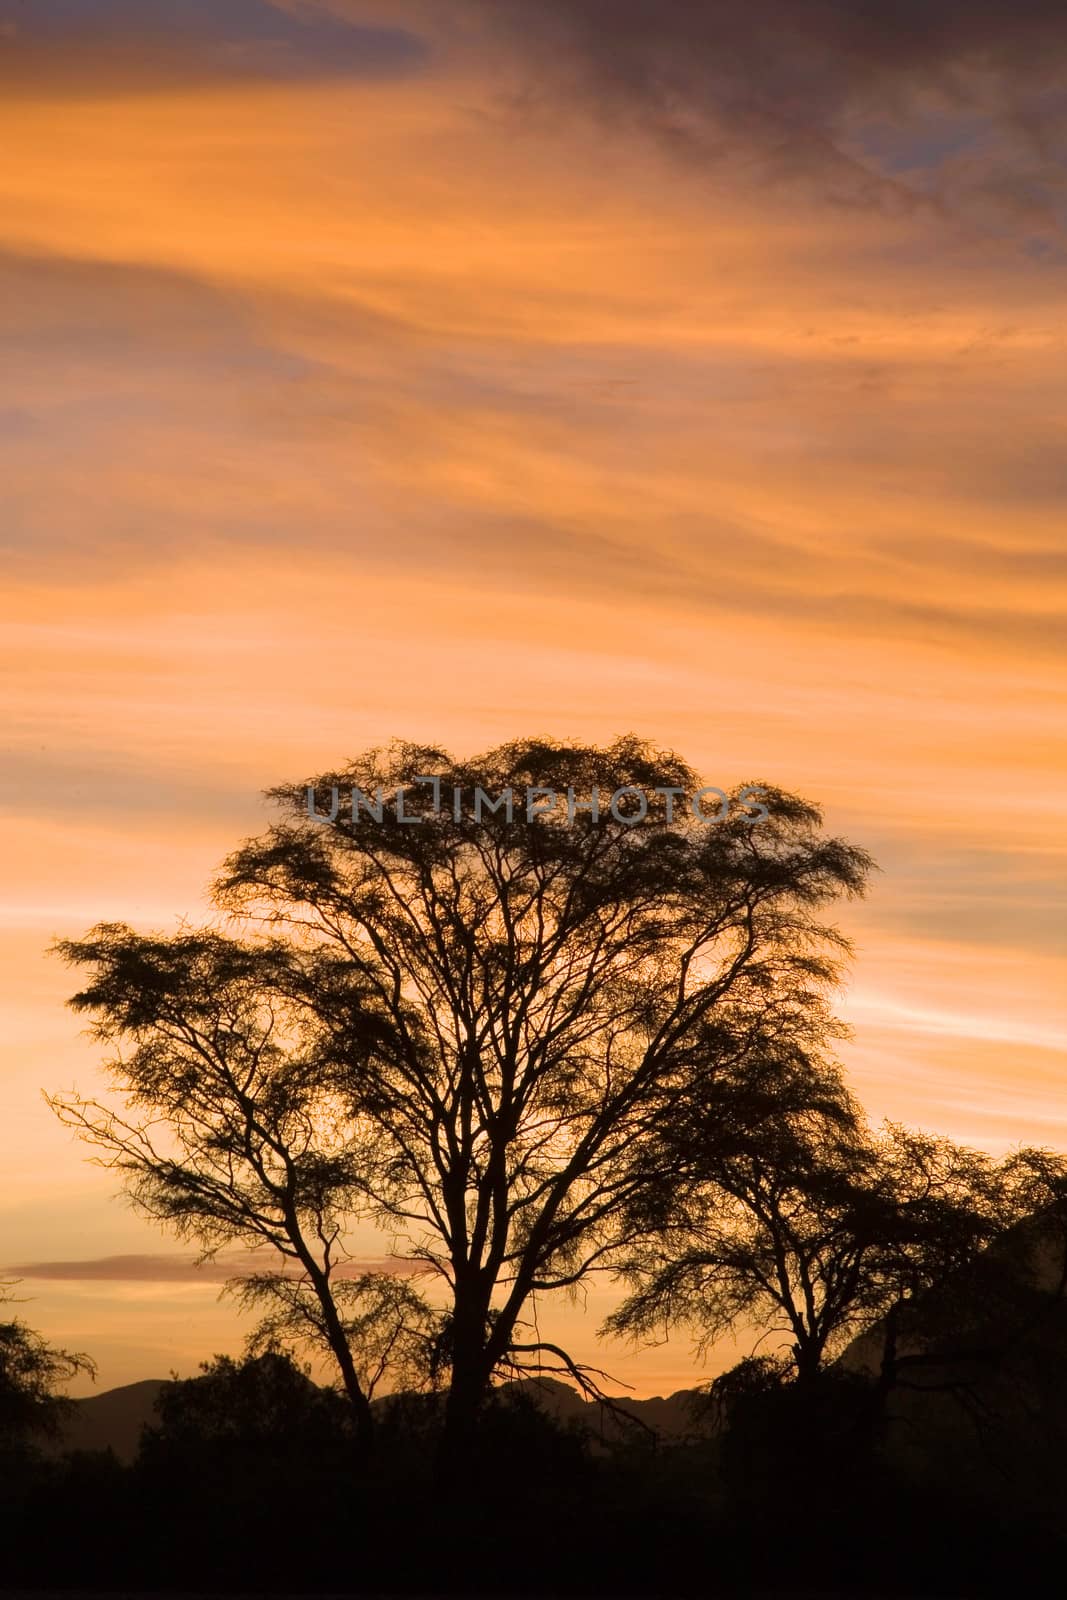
[
  {"x": 254, "y": 1480},
  {"x": 530, "y": 1048}
]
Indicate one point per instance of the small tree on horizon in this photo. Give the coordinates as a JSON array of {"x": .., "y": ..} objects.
[{"x": 32, "y": 1376}]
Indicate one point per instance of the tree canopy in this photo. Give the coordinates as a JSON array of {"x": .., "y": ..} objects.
[
  {"x": 468, "y": 1027},
  {"x": 815, "y": 1228}
]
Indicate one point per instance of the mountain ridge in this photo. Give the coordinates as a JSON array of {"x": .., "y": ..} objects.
[{"x": 114, "y": 1419}]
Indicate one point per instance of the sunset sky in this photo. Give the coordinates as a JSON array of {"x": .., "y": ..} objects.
[{"x": 454, "y": 371}]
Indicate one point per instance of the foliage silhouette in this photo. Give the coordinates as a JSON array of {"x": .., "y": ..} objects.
[
  {"x": 814, "y": 1228},
  {"x": 31, "y": 1374},
  {"x": 930, "y": 1269},
  {"x": 468, "y": 1029}
]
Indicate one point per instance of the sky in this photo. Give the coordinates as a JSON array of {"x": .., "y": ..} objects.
[{"x": 456, "y": 371}]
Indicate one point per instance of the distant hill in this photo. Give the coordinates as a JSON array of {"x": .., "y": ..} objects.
[
  {"x": 114, "y": 1420},
  {"x": 671, "y": 1417}
]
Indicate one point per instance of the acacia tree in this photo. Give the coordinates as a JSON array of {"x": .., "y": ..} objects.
[
  {"x": 815, "y": 1229},
  {"x": 493, "y": 1013}
]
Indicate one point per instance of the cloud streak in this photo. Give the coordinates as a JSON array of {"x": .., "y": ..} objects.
[
  {"x": 935, "y": 104},
  {"x": 159, "y": 1268},
  {"x": 98, "y": 47}
]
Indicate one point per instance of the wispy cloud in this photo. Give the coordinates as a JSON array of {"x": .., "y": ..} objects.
[
  {"x": 163, "y": 1268},
  {"x": 925, "y": 104},
  {"x": 98, "y": 47}
]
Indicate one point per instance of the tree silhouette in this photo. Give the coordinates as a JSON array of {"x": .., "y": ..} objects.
[
  {"x": 468, "y": 1026},
  {"x": 31, "y": 1374},
  {"x": 981, "y": 1272},
  {"x": 758, "y": 1225},
  {"x": 263, "y": 1403},
  {"x": 232, "y": 1132},
  {"x": 814, "y": 1228}
]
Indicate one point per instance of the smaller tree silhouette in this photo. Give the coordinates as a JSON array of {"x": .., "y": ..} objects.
[
  {"x": 250, "y": 1460},
  {"x": 814, "y": 1229},
  {"x": 31, "y": 1374},
  {"x": 263, "y": 1402}
]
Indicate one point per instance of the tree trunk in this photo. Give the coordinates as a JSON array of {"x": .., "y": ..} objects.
[
  {"x": 364, "y": 1417},
  {"x": 468, "y": 1387},
  {"x": 335, "y": 1335}
]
